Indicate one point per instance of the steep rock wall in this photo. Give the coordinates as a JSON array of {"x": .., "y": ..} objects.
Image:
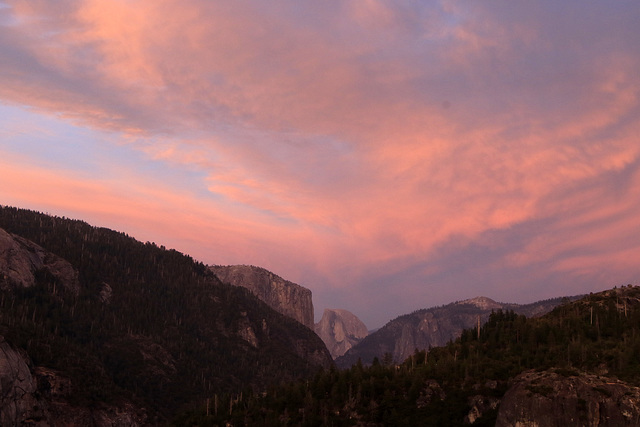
[{"x": 282, "y": 295}]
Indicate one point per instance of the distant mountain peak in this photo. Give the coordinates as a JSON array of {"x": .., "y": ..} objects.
[
  {"x": 483, "y": 303},
  {"x": 340, "y": 330},
  {"x": 433, "y": 327}
]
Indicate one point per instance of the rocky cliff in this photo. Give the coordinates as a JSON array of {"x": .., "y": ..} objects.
[
  {"x": 282, "y": 295},
  {"x": 432, "y": 327},
  {"x": 340, "y": 330},
  {"x": 550, "y": 399}
]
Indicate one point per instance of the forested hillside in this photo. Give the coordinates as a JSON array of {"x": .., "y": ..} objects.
[
  {"x": 148, "y": 325},
  {"x": 465, "y": 380}
]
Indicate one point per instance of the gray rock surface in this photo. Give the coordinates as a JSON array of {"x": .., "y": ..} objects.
[
  {"x": 20, "y": 259},
  {"x": 282, "y": 295},
  {"x": 549, "y": 399},
  {"x": 340, "y": 330}
]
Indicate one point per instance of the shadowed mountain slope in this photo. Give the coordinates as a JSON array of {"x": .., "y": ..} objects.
[{"x": 130, "y": 323}]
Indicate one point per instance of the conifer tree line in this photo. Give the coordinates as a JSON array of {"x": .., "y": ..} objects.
[{"x": 599, "y": 333}]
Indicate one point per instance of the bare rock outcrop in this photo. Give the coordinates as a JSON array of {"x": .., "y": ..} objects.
[
  {"x": 551, "y": 399},
  {"x": 21, "y": 259},
  {"x": 479, "y": 405},
  {"x": 282, "y": 295},
  {"x": 340, "y": 330},
  {"x": 18, "y": 405}
]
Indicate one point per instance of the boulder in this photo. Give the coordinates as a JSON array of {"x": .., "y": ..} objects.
[{"x": 549, "y": 398}]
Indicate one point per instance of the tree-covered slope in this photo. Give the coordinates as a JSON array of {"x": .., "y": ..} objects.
[
  {"x": 146, "y": 325},
  {"x": 591, "y": 345}
]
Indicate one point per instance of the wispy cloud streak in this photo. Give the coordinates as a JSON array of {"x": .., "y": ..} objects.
[{"x": 358, "y": 145}]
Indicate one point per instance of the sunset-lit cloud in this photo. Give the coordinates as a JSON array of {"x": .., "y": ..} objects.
[{"x": 387, "y": 155}]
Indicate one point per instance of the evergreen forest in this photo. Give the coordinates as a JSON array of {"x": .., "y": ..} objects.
[{"x": 599, "y": 334}]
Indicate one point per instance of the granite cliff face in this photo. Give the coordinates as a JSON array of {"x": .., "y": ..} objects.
[
  {"x": 21, "y": 260},
  {"x": 432, "y": 327},
  {"x": 340, "y": 330},
  {"x": 284, "y": 296},
  {"x": 549, "y": 399}
]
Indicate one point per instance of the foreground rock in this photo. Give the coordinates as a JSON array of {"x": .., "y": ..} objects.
[
  {"x": 550, "y": 399},
  {"x": 340, "y": 330},
  {"x": 282, "y": 295}
]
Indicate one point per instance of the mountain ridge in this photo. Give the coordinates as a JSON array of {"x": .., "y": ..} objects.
[{"x": 432, "y": 327}]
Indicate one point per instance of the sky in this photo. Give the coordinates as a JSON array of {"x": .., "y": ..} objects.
[{"x": 388, "y": 155}]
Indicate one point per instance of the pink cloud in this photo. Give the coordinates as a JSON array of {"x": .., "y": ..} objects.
[{"x": 366, "y": 132}]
